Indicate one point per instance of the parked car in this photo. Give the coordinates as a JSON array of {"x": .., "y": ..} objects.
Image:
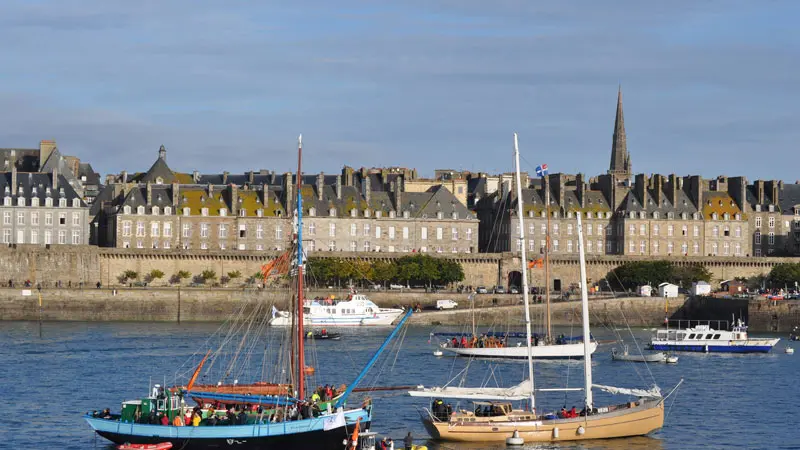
[
  {"x": 445, "y": 304},
  {"x": 481, "y": 290},
  {"x": 499, "y": 290},
  {"x": 513, "y": 290},
  {"x": 376, "y": 287},
  {"x": 396, "y": 286}
]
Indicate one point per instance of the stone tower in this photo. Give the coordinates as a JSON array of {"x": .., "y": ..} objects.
[{"x": 620, "y": 159}]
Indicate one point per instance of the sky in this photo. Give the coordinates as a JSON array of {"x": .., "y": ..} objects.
[{"x": 709, "y": 87}]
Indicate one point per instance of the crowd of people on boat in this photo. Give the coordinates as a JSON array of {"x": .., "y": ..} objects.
[
  {"x": 482, "y": 341},
  {"x": 441, "y": 410}
]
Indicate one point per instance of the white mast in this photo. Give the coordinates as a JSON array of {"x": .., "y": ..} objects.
[
  {"x": 524, "y": 259},
  {"x": 587, "y": 352}
]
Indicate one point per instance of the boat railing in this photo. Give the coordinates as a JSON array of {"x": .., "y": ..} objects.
[{"x": 682, "y": 324}]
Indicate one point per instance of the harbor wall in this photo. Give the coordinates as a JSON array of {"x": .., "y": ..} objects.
[{"x": 216, "y": 305}]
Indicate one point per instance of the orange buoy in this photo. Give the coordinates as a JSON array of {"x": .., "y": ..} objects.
[{"x": 309, "y": 370}]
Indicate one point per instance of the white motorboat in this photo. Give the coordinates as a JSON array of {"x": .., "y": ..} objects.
[
  {"x": 703, "y": 338},
  {"x": 356, "y": 311},
  {"x": 625, "y": 355}
]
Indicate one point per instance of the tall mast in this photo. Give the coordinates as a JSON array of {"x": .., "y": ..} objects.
[
  {"x": 548, "y": 326},
  {"x": 301, "y": 365},
  {"x": 524, "y": 259},
  {"x": 587, "y": 337}
]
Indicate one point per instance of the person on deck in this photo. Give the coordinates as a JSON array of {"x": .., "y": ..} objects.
[
  {"x": 164, "y": 419},
  {"x": 454, "y": 343},
  {"x": 463, "y": 342},
  {"x": 563, "y": 413},
  {"x": 390, "y": 444},
  {"x": 315, "y": 397},
  {"x": 241, "y": 419},
  {"x": 187, "y": 418},
  {"x": 408, "y": 441},
  {"x": 573, "y": 413},
  {"x": 177, "y": 421},
  {"x": 329, "y": 392}
]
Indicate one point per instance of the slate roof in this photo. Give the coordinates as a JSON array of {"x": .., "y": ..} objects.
[
  {"x": 27, "y": 181},
  {"x": 27, "y": 159},
  {"x": 789, "y": 197},
  {"x": 683, "y": 204}
]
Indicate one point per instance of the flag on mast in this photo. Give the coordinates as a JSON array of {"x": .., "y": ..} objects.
[{"x": 541, "y": 171}]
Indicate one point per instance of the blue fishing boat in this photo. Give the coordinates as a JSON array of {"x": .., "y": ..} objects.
[{"x": 259, "y": 415}]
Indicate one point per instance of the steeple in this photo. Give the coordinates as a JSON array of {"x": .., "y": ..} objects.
[{"x": 620, "y": 159}]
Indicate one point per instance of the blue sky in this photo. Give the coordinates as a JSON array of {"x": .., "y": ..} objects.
[{"x": 710, "y": 87}]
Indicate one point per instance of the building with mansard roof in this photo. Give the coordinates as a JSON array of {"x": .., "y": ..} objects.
[{"x": 357, "y": 210}]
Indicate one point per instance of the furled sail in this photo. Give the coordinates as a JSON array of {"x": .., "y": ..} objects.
[
  {"x": 653, "y": 392},
  {"x": 521, "y": 391}
]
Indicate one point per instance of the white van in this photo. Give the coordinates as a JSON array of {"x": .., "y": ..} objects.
[{"x": 445, "y": 304}]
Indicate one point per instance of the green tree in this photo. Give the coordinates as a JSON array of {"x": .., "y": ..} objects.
[
  {"x": 784, "y": 274},
  {"x": 234, "y": 275},
  {"x": 208, "y": 274},
  {"x": 129, "y": 275},
  {"x": 684, "y": 276},
  {"x": 384, "y": 271},
  {"x": 179, "y": 276},
  {"x": 631, "y": 274},
  {"x": 450, "y": 271},
  {"x": 155, "y": 274}
]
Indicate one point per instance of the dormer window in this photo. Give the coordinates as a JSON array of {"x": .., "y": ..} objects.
[
  {"x": 670, "y": 216},
  {"x": 242, "y": 212},
  {"x": 439, "y": 214},
  {"x": 312, "y": 211},
  {"x": 378, "y": 214},
  {"x": 695, "y": 216},
  {"x": 737, "y": 216},
  {"x": 588, "y": 214},
  {"x": 62, "y": 203},
  {"x": 35, "y": 201},
  {"x": 530, "y": 213},
  {"x": 569, "y": 214},
  {"x": 332, "y": 212},
  {"x": 726, "y": 216},
  {"x": 167, "y": 211},
  {"x": 713, "y": 216},
  {"x": 771, "y": 208},
  {"x": 454, "y": 216},
  {"x": 126, "y": 209},
  {"x": 49, "y": 202},
  {"x": 632, "y": 215},
  {"x": 655, "y": 214},
  {"x": 542, "y": 214},
  {"x": 223, "y": 212},
  {"x": 406, "y": 214},
  {"x": 366, "y": 213},
  {"x": 353, "y": 212},
  {"x": 186, "y": 211},
  {"x": 204, "y": 211},
  {"x": 20, "y": 201},
  {"x": 259, "y": 213},
  {"x": 159, "y": 180},
  {"x": 140, "y": 210},
  {"x": 683, "y": 215},
  {"x": 758, "y": 208},
  {"x": 154, "y": 210},
  {"x": 392, "y": 214},
  {"x": 642, "y": 215}
]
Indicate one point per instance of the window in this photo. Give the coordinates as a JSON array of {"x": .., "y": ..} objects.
[
  {"x": 48, "y": 237},
  {"x": 684, "y": 230},
  {"x": 186, "y": 211},
  {"x": 555, "y": 245},
  {"x": 643, "y": 229},
  {"x": 311, "y": 245},
  {"x": 6, "y": 236},
  {"x": 391, "y": 232},
  {"x": 76, "y": 237},
  {"x": 555, "y": 228},
  {"x": 588, "y": 247},
  {"x": 695, "y": 247},
  {"x": 48, "y": 202},
  {"x": 62, "y": 236},
  {"x": 714, "y": 248},
  {"x": 223, "y": 212},
  {"x": 366, "y": 246},
  {"x": 167, "y": 212},
  {"x": 278, "y": 232},
  {"x": 589, "y": 229},
  {"x": 685, "y": 248},
  {"x": 454, "y": 234},
  {"x": 367, "y": 230},
  {"x": 569, "y": 246},
  {"x": 757, "y": 252},
  {"x": 203, "y": 230},
  {"x": 204, "y": 245},
  {"x": 656, "y": 229},
  {"x": 737, "y": 249},
  {"x": 204, "y": 211},
  {"x": 7, "y": 218},
  {"x": 726, "y": 248},
  {"x": 154, "y": 210},
  {"x": 167, "y": 230},
  {"x": 377, "y": 231},
  {"x": 353, "y": 246},
  {"x": 631, "y": 247},
  {"x": 154, "y": 229},
  {"x": 140, "y": 228},
  {"x": 260, "y": 231},
  {"x": 312, "y": 212},
  {"x": 62, "y": 218},
  {"x": 166, "y": 244},
  {"x": 20, "y": 218},
  {"x": 758, "y": 237},
  {"x": 332, "y": 213},
  {"x": 569, "y": 229},
  {"x": 772, "y": 222},
  {"x": 608, "y": 247},
  {"x": 758, "y": 222},
  {"x": 726, "y": 231},
  {"x": 242, "y": 213},
  {"x": 608, "y": 229},
  {"x": 34, "y": 218},
  {"x": 670, "y": 230},
  {"x": 771, "y": 238},
  {"x": 353, "y": 229},
  {"x": 139, "y": 209},
  {"x": 696, "y": 231},
  {"x": 312, "y": 229},
  {"x": 438, "y": 233},
  {"x": 331, "y": 246},
  {"x": 126, "y": 227},
  {"x": 655, "y": 247},
  {"x": 332, "y": 230},
  {"x": 424, "y": 233},
  {"x": 469, "y": 234},
  {"x": 544, "y": 229},
  {"x": 715, "y": 232},
  {"x": 48, "y": 219},
  {"x": 353, "y": 213},
  {"x": 185, "y": 230},
  {"x": 531, "y": 245},
  {"x": 670, "y": 247},
  {"x": 222, "y": 246}
]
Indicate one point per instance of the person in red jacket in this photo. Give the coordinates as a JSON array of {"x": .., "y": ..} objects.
[
  {"x": 164, "y": 419},
  {"x": 463, "y": 342}
]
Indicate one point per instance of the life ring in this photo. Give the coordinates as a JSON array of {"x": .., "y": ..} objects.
[{"x": 581, "y": 431}]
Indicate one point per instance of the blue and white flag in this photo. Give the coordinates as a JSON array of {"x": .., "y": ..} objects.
[
  {"x": 541, "y": 170},
  {"x": 274, "y": 311}
]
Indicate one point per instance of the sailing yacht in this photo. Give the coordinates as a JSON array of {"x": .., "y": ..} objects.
[
  {"x": 494, "y": 419},
  {"x": 271, "y": 416}
]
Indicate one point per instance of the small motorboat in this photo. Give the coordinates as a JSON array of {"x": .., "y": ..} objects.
[
  {"x": 159, "y": 446},
  {"x": 671, "y": 359},
  {"x": 647, "y": 357},
  {"x": 323, "y": 335},
  {"x": 789, "y": 351}
]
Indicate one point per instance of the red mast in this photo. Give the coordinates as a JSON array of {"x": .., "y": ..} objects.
[{"x": 301, "y": 364}]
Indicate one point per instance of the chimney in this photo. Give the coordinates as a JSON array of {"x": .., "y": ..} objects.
[
  {"x": 234, "y": 199},
  {"x": 251, "y": 177},
  {"x": 225, "y": 177},
  {"x": 696, "y": 190},
  {"x": 264, "y": 195},
  {"x": 210, "y": 190},
  {"x": 46, "y": 147},
  {"x": 320, "y": 185},
  {"x": 640, "y": 188},
  {"x": 55, "y": 180},
  {"x": 347, "y": 175},
  {"x": 339, "y": 187},
  {"x": 109, "y": 179},
  {"x": 737, "y": 189},
  {"x": 124, "y": 176},
  {"x": 288, "y": 191},
  {"x": 772, "y": 188},
  {"x": 13, "y": 172},
  {"x": 367, "y": 188},
  {"x": 580, "y": 189},
  {"x": 149, "y": 193},
  {"x": 272, "y": 178},
  {"x": 175, "y": 195},
  {"x": 658, "y": 189},
  {"x": 162, "y": 153},
  {"x": 760, "y": 192},
  {"x": 672, "y": 190},
  {"x": 398, "y": 196}
]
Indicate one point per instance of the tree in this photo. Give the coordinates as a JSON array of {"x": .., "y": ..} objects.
[
  {"x": 684, "y": 276},
  {"x": 234, "y": 275},
  {"x": 128, "y": 275},
  {"x": 383, "y": 271},
  {"x": 450, "y": 271},
  {"x": 631, "y": 274},
  {"x": 155, "y": 274},
  {"x": 207, "y": 275},
  {"x": 784, "y": 274}
]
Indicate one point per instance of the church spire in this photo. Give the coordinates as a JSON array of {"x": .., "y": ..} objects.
[{"x": 620, "y": 159}]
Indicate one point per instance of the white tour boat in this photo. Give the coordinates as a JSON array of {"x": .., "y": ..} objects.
[
  {"x": 703, "y": 338},
  {"x": 356, "y": 311}
]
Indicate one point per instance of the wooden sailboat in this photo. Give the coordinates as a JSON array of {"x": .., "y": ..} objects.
[{"x": 495, "y": 420}]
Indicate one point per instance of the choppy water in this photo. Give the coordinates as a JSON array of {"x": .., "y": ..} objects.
[{"x": 727, "y": 401}]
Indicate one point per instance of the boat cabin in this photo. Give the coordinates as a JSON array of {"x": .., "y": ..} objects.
[{"x": 356, "y": 304}]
